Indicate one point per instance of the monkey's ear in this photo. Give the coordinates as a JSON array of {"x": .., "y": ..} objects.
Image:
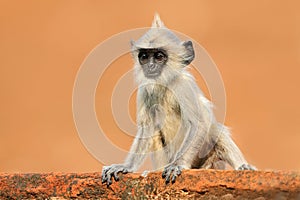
[{"x": 190, "y": 54}]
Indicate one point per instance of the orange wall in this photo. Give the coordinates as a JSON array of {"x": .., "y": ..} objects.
[{"x": 255, "y": 44}]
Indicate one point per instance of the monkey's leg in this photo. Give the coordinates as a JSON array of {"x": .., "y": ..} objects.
[
  {"x": 136, "y": 156},
  {"x": 229, "y": 152},
  {"x": 159, "y": 155}
]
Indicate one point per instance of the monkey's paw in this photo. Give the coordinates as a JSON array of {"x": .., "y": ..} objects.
[
  {"x": 109, "y": 172},
  {"x": 171, "y": 172},
  {"x": 246, "y": 167}
]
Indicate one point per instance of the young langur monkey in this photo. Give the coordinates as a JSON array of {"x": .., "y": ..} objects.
[{"x": 175, "y": 121}]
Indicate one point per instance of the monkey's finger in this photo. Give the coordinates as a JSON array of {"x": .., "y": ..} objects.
[
  {"x": 125, "y": 171},
  {"x": 164, "y": 173},
  {"x": 246, "y": 167},
  {"x": 104, "y": 179},
  {"x": 108, "y": 180},
  {"x": 174, "y": 177},
  {"x": 175, "y": 174},
  {"x": 178, "y": 171},
  {"x": 105, "y": 169},
  {"x": 115, "y": 175},
  {"x": 168, "y": 176},
  {"x": 104, "y": 173}
]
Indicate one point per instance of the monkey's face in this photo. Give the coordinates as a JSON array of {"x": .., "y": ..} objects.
[{"x": 152, "y": 61}]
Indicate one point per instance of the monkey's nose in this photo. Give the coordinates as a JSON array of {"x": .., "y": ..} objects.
[{"x": 152, "y": 67}]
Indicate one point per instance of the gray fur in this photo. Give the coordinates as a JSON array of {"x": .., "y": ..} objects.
[{"x": 175, "y": 121}]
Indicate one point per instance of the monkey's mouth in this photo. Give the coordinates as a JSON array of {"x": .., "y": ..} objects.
[{"x": 152, "y": 74}]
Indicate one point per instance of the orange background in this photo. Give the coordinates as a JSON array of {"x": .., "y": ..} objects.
[{"x": 255, "y": 44}]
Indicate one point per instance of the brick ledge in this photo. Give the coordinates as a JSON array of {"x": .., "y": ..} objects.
[{"x": 200, "y": 184}]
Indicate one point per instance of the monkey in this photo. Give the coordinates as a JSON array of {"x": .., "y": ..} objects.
[{"x": 175, "y": 121}]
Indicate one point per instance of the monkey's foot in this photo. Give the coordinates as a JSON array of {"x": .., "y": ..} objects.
[
  {"x": 171, "y": 172},
  {"x": 112, "y": 171},
  {"x": 246, "y": 167}
]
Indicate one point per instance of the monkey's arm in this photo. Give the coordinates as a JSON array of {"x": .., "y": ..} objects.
[
  {"x": 173, "y": 170},
  {"x": 185, "y": 155},
  {"x": 136, "y": 156},
  {"x": 139, "y": 149},
  {"x": 196, "y": 119}
]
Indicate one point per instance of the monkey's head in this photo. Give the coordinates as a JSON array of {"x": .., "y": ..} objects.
[{"x": 159, "y": 54}]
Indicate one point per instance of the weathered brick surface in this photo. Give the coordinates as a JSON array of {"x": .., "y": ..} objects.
[{"x": 199, "y": 184}]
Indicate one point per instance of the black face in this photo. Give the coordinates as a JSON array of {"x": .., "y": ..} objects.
[{"x": 152, "y": 61}]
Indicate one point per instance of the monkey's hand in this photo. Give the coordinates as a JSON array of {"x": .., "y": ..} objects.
[
  {"x": 171, "y": 172},
  {"x": 108, "y": 172},
  {"x": 246, "y": 167}
]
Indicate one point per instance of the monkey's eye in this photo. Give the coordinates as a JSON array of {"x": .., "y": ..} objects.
[
  {"x": 143, "y": 57},
  {"x": 159, "y": 56}
]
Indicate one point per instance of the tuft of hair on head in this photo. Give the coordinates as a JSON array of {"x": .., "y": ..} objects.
[
  {"x": 157, "y": 23},
  {"x": 157, "y": 36}
]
